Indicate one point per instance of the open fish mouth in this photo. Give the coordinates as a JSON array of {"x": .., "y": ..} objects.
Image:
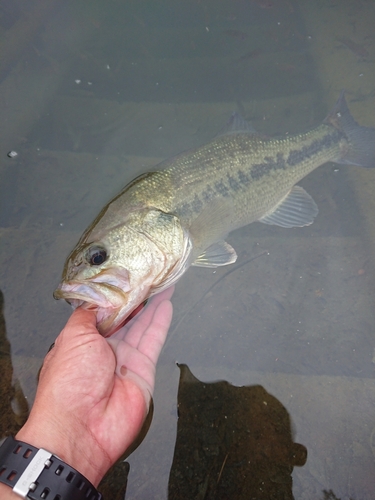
[
  {"x": 109, "y": 288},
  {"x": 109, "y": 302},
  {"x": 102, "y": 295}
]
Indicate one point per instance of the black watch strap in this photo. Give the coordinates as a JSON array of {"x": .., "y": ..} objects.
[{"x": 36, "y": 474}]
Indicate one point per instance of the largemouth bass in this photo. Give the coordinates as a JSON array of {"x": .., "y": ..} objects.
[{"x": 179, "y": 215}]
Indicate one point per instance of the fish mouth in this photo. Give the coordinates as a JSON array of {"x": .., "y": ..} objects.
[
  {"x": 107, "y": 301},
  {"x": 76, "y": 293},
  {"x": 107, "y": 294}
]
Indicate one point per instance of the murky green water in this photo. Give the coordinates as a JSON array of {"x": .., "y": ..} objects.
[{"x": 94, "y": 93}]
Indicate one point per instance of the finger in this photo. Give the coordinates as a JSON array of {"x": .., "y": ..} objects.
[
  {"x": 166, "y": 294},
  {"x": 154, "y": 337},
  {"x": 134, "y": 329},
  {"x": 137, "y": 326},
  {"x": 142, "y": 362}
]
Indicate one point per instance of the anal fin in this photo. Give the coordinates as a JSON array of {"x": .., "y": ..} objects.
[{"x": 297, "y": 209}]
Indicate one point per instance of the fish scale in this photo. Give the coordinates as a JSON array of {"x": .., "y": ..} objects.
[
  {"x": 253, "y": 172},
  {"x": 180, "y": 214}
]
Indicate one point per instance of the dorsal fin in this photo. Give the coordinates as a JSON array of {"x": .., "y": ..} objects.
[{"x": 237, "y": 124}]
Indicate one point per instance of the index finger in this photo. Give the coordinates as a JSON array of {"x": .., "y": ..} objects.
[
  {"x": 153, "y": 339},
  {"x": 133, "y": 330}
]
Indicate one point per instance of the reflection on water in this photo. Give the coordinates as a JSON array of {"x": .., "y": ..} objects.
[{"x": 92, "y": 94}]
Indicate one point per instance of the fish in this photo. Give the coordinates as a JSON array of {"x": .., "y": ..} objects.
[{"x": 180, "y": 214}]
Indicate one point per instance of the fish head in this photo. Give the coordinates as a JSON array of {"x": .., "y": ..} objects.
[
  {"x": 93, "y": 282},
  {"x": 112, "y": 275}
]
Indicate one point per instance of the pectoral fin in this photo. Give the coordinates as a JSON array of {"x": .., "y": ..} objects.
[
  {"x": 297, "y": 209},
  {"x": 218, "y": 254}
]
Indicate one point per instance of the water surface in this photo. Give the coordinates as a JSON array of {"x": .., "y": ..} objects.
[{"x": 93, "y": 94}]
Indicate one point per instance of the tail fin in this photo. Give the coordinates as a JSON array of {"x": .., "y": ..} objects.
[{"x": 361, "y": 140}]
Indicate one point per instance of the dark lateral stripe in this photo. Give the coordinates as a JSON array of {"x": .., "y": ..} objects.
[
  {"x": 197, "y": 204},
  {"x": 260, "y": 169},
  {"x": 236, "y": 181},
  {"x": 297, "y": 156},
  {"x": 221, "y": 188},
  {"x": 233, "y": 183},
  {"x": 208, "y": 193}
]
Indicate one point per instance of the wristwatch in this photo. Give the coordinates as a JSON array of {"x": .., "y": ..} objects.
[{"x": 38, "y": 474}]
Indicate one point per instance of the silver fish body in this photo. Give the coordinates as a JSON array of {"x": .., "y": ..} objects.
[{"x": 163, "y": 221}]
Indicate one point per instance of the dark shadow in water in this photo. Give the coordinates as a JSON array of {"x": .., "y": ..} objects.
[
  {"x": 113, "y": 485},
  {"x": 10, "y": 392},
  {"x": 232, "y": 442}
]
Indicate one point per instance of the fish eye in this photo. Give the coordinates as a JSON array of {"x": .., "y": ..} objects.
[{"x": 96, "y": 256}]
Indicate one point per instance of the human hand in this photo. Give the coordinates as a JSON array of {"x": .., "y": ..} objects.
[{"x": 94, "y": 393}]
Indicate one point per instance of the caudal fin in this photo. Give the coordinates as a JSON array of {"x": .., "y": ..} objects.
[{"x": 361, "y": 140}]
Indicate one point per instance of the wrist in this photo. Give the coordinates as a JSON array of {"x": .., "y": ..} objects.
[
  {"x": 31, "y": 472},
  {"x": 71, "y": 443}
]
